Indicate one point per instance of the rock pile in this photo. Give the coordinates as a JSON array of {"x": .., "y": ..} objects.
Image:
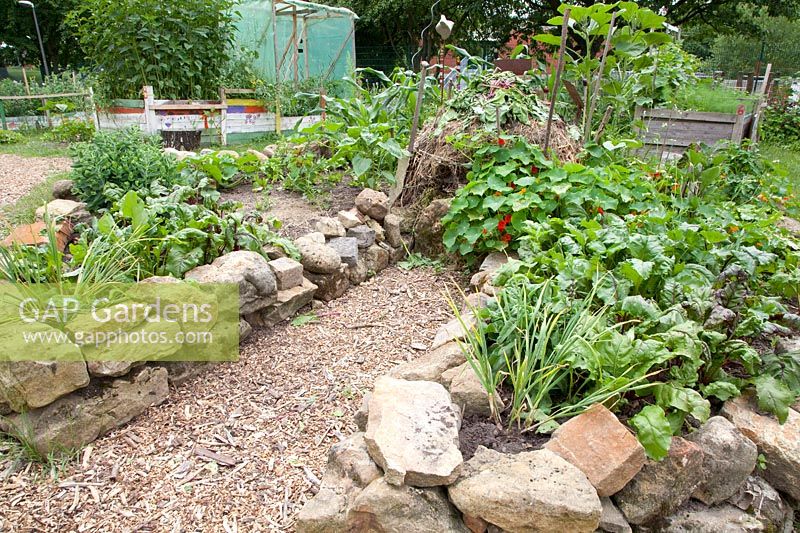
[{"x": 592, "y": 475}]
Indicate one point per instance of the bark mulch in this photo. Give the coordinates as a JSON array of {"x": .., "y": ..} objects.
[
  {"x": 242, "y": 447},
  {"x": 18, "y": 175}
]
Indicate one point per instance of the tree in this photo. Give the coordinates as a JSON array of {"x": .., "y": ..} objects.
[{"x": 19, "y": 33}]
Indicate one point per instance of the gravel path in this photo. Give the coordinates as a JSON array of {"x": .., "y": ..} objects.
[
  {"x": 18, "y": 175},
  {"x": 274, "y": 414}
]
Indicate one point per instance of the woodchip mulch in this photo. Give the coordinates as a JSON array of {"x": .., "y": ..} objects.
[
  {"x": 242, "y": 447},
  {"x": 18, "y": 175}
]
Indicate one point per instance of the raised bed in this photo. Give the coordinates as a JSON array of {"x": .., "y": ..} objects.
[{"x": 673, "y": 131}]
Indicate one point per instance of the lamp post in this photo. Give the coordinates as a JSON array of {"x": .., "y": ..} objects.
[{"x": 38, "y": 34}]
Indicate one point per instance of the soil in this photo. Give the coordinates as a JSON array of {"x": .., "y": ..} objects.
[
  {"x": 478, "y": 431},
  {"x": 273, "y": 416},
  {"x": 297, "y": 214}
]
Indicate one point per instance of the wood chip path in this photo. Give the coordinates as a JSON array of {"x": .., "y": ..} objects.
[
  {"x": 242, "y": 447},
  {"x": 18, "y": 175}
]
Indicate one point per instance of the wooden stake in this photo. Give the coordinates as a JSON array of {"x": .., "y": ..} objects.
[
  {"x": 587, "y": 126},
  {"x": 25, "y": 80},
  {"x": 557, "y": 80},
  {"x": 418, "y": 107}
]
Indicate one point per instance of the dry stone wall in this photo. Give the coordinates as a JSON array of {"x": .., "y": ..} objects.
[
  {"x": 592, "y": 475},
  {"x": 60, "y": 406}
]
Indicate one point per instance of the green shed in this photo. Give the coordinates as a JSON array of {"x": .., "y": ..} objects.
[{"x": 297, "y": 40}]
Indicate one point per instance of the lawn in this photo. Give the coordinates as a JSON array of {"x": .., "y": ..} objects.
[{"x": 36, "y": 145}]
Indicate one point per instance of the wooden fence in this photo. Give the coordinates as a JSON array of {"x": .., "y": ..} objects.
[
  {"x": 16, "y": 122},
  {"x": 670, "y": 130}
]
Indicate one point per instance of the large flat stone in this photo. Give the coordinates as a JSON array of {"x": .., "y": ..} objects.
[
  {"x": 697, "y": 518},
  {"x": 468, "y": 393},
  {"x": 454, "y": 330},
  {"x": 601, "y": 447},
  {"x": 780, "y": 444},
  {"x": 412, "y": 432},
  {"x": 251, "y": 271},
  {"x": 348, "y": 471},
  {"x": 431, "y": 365},
  {"x": 382, "y": 507},
  {"x": 527, "y": 492},
  {"x": 728, "y": 459},
  {"x": 662, "y": 487},
  {"x": 81, "y": 417},
  {"x": 374, "y": 204},
  {"x": 26, "y": 385}
]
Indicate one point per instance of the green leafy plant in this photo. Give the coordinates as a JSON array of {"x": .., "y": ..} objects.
[
  {"x": 113, "y": 163},
  {"x": 302, "y": 320},
  {"x": 71, "y": 130},
  {"x": 417, "y": 260},
  {"x": 10, "y": 137},
  {"x": 180, "y": 49}
]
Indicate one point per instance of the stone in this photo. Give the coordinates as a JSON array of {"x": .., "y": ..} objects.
[
  {"x": 347, "y": 248},
  {"x": 330, "y": 286},
  {"x": 478, "y": 279},
  {"x": 493, "y": 261},
  {"x": 350, "y": 219},
  {"x": 273, "y": 252},
  {"x": 728, "y": 459},
  {"x": 391, "y": 227},
  {"x": 362, "y": 414},
  {"x": 375, "y": 226},
  {"x": 364, "y": 236},
  {"x": 330, "y": 227},
  {"x": 790, "y": 224},
  {"x": 109, "y": 369},
  {"x": 37, "y": 234},
  {"x": 475, "y": 524},
  {"x": 475, "y": 301},
  {"x": 662, "y": 487},
  {"x": 270, "y": 150},
  {"x": 527, "y": 492},
  {"x": 349, "y": 470},
  {"x": 468, "y": 393},
  {"x": 373, "y": 203},
  {"x": 70, "y": 210},
  {"x": 287, "y": 304},
  {"x": 612, "y": 520},
  {"x": 454, "y": 330},
  {"x": 761, "y": 500},
  {"x": 62, "y": 190},
  {"x": 431, "y": 365},
  {"x": 80, "y": 418},
  {"x": 377, "y": 258},
  {"x": 180, "y": 372},
  {"x": 318, "y": 258},
  {"x": 787, "y": 345},
  {"x": 397, "y": 254},
  {"x": 780, "y": 444},
  {"x": 180, "y": 155},
  {"x": 384, "y": 507},
  {"x": 695, "y": 517},
  {"x": 250, "y": 270},
  {"x": 313, "y": 236},
  {"x": 26, "y": 385},
  {"x": 412, "y": 432},
  {"x": 230, "y": 153},
  {"x": 261, "y": 156},
  {"x": 428, "y": 230},
  {"x": 288, "y": 273},
  {"x": 601, "y": 447},
  {"x": 245, "y": 329},
  {"x": 359, "y": 273}
]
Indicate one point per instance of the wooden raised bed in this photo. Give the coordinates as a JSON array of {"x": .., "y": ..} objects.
[{"x": 672, "y": 131}]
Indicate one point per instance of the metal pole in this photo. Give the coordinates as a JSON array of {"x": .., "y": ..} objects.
[{"x": 41, "y": 45}]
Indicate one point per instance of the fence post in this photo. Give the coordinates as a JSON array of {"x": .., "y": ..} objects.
[
  {"x": 3, "y": 115},
  {"x": 223, "y": 117},
  {"x": 93, "y": 108},
  {"x": 149, "y": 112}
]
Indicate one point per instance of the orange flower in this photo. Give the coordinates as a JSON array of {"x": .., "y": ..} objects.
[
  {"x": 506, "y": 238},
  {"x": 733, "y": 229},
  {"x": 522, "y": 190}
]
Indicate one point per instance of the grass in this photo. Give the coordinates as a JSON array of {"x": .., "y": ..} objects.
[
  {"x": 786, "y": 158},
  {"x": 35, "y": 145},
  {"x": 705, "y": 96},
  {"x": 24, "y": 210}
]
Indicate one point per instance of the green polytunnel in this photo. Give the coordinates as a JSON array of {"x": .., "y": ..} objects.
[{"x": 304, "y": 39}]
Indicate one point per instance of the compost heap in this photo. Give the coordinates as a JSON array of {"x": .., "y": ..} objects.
[{"x": 440, "y": 163}]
